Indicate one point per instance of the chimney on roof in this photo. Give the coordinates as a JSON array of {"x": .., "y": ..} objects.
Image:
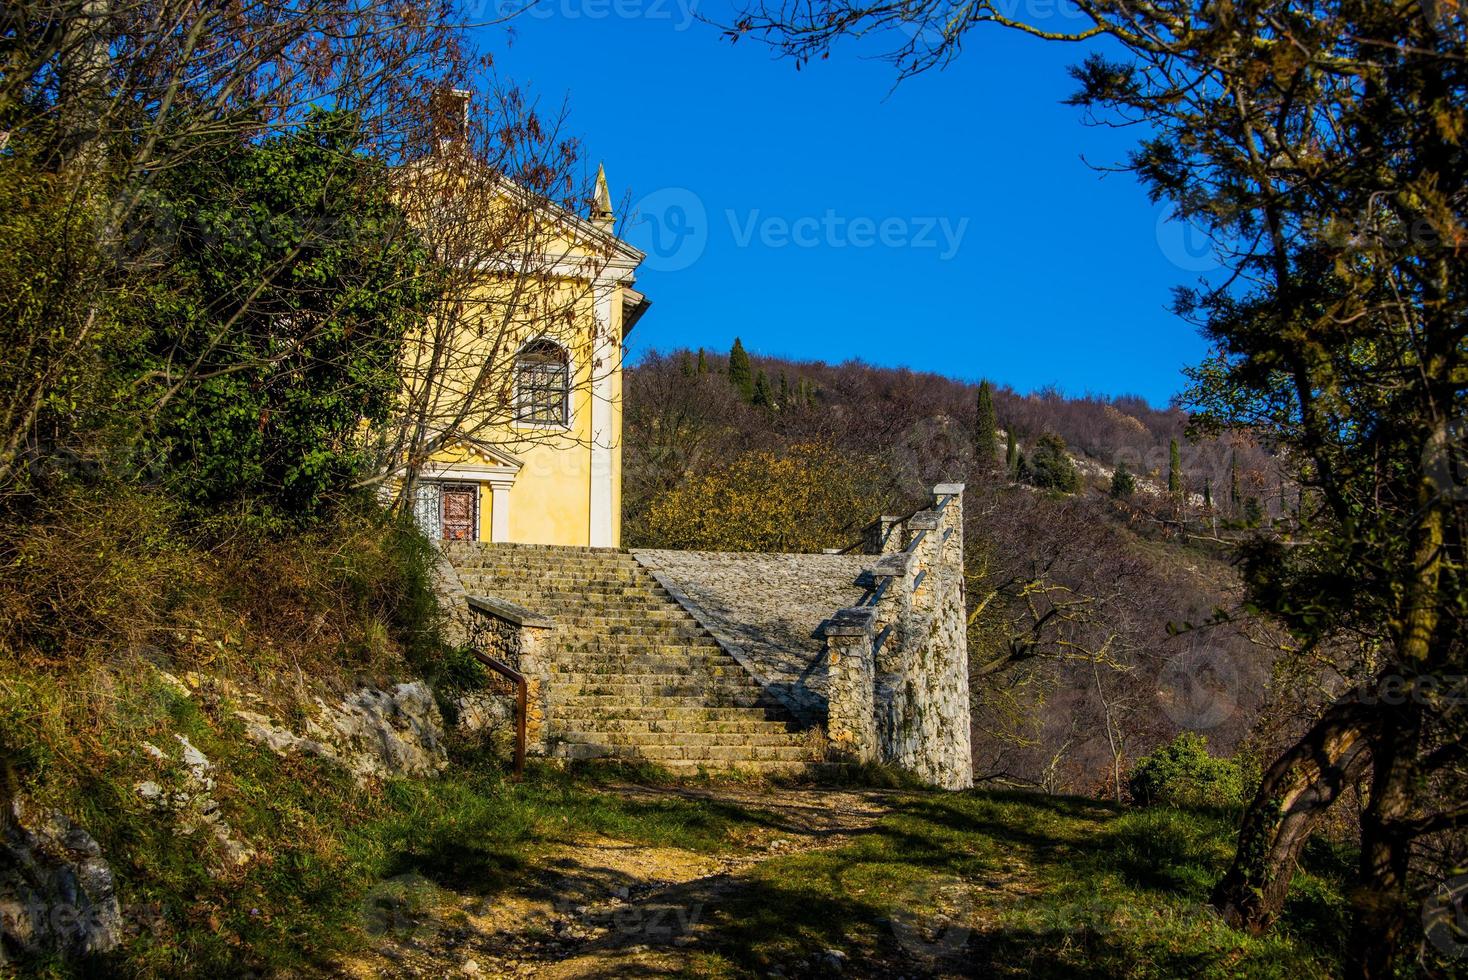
[
  {"x": 601, "y": 202},
  {"x": 449, "y": 110}
]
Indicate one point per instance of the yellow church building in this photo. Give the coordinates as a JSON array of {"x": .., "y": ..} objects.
[{"x": 518, "y": 393}]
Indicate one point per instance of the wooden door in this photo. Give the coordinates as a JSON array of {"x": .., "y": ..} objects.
[{"x": 459, "y": 513}]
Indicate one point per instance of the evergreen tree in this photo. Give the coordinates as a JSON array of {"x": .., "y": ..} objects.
[
  {"x": 1208, "y": 493},
  {"x": 784, "y": 390},
  {"x": 740, "y": 375},
  {"x": 984, "y": 425},
  {"x": 763, "y": 396},
  {"x": 685, "y": 363},
  {"x": 1174, "y": 471},
  {"x": 1051, "y": 466},
  {"x": 1011, "y": 455},
  {"x": 703, "y": 362},
  {"x": 1123, "y": 484}
]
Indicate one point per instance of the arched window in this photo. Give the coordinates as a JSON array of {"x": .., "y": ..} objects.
[{"x": 543, "y": 383}]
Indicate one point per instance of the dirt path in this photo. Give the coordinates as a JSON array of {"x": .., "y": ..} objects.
[{"x": 609, "y": 908}]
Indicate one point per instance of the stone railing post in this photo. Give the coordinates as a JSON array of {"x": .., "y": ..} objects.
[
  {"x": 851, "y": 720},
  {"x": 520, "y": 639}
]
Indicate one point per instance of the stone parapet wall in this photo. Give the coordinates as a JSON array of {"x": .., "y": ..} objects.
[{"x": 910, "y": 638}]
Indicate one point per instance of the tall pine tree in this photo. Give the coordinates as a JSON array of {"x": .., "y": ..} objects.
[
  {"x": 763, "y": 396},
  {"x": 740, "y": 375}
]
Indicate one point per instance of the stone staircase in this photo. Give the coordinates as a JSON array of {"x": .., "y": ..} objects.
[{"x": 633, "y": 675}]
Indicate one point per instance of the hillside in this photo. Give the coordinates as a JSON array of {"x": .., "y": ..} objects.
[{"x": 1093, "y": 636}]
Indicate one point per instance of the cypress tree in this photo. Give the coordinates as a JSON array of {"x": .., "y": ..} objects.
[
  {"x": 984, "y": 425},
  {"x": 685, "y": 363},
  {"x": 1208, "y": 493},
  {"x": 703, "y": 362},
  {"x": 763, "y": 396},
  {"x": 740, "y": 375},
  {"x": 784, "y": 390},
  {"x": 1011, "y": 455},
  {"x": 1174, "y": 470}
]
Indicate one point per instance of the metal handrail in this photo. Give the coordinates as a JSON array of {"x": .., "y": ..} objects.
[{"x": 522, "y": 702}]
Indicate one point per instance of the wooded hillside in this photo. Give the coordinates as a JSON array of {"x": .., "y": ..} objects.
[{"x": 1096, "y": 632}]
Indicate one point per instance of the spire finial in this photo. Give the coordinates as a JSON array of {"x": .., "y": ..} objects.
[{"x": 601, "y": 202}]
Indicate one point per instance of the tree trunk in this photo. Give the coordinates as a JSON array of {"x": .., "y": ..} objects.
[
  {"x": 1382, "y": 908},
  {"x": 1293, "y": 796}
]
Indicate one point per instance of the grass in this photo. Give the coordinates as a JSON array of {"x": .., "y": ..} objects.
[
  {"x": 980, "y": 884},
  {"x": 987, "y": 884}
]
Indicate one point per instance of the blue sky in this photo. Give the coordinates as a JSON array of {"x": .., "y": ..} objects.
[{"x": 951, "y": 225}]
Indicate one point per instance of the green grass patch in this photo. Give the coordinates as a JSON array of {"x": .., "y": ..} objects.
[{"x": 983, "y": 884}]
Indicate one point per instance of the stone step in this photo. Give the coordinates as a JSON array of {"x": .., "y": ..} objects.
[
  {"x": 655, "y": 675},
  {"x": 684, "y": 739},
  {"x": 663, "y": 713},
  {"x": 710, "y": 754},
  {"x": 693, "y": 696},
  {"x": 613, "y": 653},
  {"x": 633, "y": 726}
]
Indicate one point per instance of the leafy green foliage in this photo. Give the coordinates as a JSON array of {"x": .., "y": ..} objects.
[
  {"x": 1184, "y": 774},
  {"x": 277, "y": 334}
]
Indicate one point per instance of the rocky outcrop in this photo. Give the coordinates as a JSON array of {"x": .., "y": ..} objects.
[
  {"x": 189, "y": 798},
  {"x": 374, "y": 733},
  {"x": 57, "y": 894}
]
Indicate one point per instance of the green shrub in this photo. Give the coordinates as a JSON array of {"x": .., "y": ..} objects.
[
  {"x": 1183, "y": 774},
  {"x": 1051, "y": 466}
]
